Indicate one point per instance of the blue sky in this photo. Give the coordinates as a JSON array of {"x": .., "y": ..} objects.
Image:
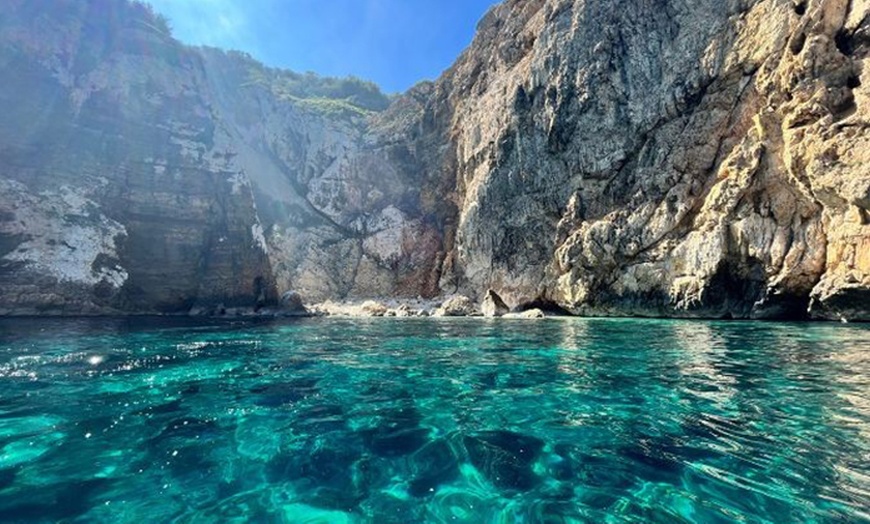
[{"x": 395, "y": 43}]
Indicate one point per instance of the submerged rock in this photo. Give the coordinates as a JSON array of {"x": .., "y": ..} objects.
[
  {"x": 398, "y": 433},
  {"x": 505, "y": 458},
  {"x": 396, "y": 443},
  {"x": 433, "y": 465},
  {"x": 339, "y": 476},
  {"x": 55, "y": 502},
  {"x": 7, "y": 477}
]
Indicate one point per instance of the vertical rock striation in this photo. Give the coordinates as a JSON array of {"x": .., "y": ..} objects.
[{"x": 681, "y": 158}]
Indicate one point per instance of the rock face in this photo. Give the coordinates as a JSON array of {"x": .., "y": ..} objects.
[
  {"x": 685, "y": 158},
  {"x": 493, "y": 305},
  {"x": 111, "y": 198},
  {"x": 697, "y": 158},
  {"x": 456, "y": 306},
  {"x": 196, "y": 179},
  {"x": 291, "y": 302}
]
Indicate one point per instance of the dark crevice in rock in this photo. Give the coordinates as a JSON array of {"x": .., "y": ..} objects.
[
  {"x": 694, "y": 99},
  {"x": 846, "y": 303},
  {"x": 734, "y": 288},
  {"x": 796, "y": 45},
  {"x": 351, "y": 282},
  {"x": 845, "y": 108},
  {"x": 783, "y": 306},
  {"x": 260, "y": 291},
  {"x": 843, "y": 40},
  {"x": 522, "y": 101},
  {"x": 563, "y": 128},
  {"x": 9, "y": 243},
  {"x": 616, "y": 185},
  {"x": 545, "y": 305},
  {"x": 800, "y": 8}
]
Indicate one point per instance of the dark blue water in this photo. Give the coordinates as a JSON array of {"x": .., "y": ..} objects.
[{"x": 404, "y": 421}]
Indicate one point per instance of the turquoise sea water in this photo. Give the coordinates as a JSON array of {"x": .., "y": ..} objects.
[{"x": 405, "y": 421}]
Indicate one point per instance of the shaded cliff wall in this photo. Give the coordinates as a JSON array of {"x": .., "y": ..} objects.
[
  {"x": 112, "y": 190},
  {"x": 141, "y": 175},
  {"x": 342, "y": 216}
]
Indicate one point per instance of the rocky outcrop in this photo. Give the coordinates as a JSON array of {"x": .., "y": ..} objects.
[
  {"x": 696, "y": 158},
  {"x": 493, "y": 305},
  {"x": 292, "y": 303},
  {"x": 686, "y": 158},
  {"x": 457, "y": 306},
  {"x": 527, "y": 314}
]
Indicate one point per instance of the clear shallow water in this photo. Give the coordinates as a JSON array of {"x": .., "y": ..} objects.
[{"x": 401, "y": 421}]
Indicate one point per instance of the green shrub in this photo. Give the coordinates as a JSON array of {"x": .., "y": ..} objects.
[{"x": 349, "y": 96}]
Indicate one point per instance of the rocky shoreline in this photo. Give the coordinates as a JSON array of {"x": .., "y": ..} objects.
[
  {"x": 451, "y": 306},
  {"x": 293, "y": 306},
  {"x": 455, "y": 306}
]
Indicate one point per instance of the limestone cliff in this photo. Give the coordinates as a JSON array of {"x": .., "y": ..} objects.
[
  {"x": 114, "y": 197},
  {"x": 703, "y": 158},
  {"x": 671, "y": 158},
  {"x": 141, "y": 175}
]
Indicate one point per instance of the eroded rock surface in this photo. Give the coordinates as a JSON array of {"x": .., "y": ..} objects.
[
  {"x": 698, "y": 158},
  {"x": 686, "y": 158},
  {"x": 213, "y": 182},
  {"x": 493, "y": 305},
  {"x": 457, "y": 306}
]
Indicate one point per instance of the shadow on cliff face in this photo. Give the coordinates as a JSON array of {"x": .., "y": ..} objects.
[
  {"x": 739, "y": 290},
  {"x": 851, "y": 302},
  {"x": 547, "y": 306}
]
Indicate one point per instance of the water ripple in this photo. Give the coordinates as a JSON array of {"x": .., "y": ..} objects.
[{"x": 406, "y": 420}]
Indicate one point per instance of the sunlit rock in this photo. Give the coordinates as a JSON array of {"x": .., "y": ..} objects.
[
  {"x": 457, "y": 306},
  {"x": 493, "y": 305}
]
